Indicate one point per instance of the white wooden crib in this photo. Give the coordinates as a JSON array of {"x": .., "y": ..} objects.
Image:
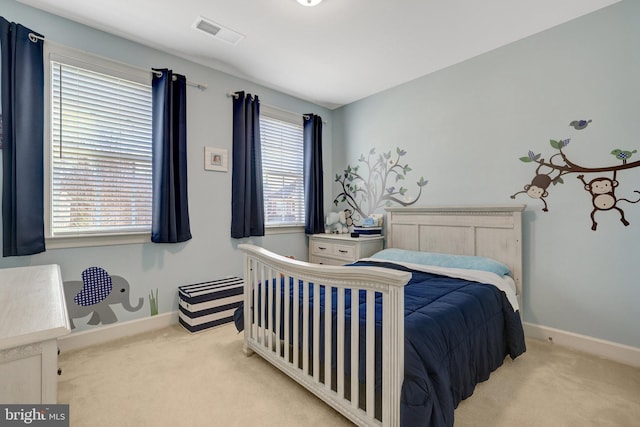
[{"x": 489, "y": 231}]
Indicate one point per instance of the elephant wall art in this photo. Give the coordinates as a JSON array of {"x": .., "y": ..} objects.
[{"x": 95, "y": 294}]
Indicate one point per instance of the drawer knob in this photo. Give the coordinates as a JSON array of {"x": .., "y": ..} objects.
[{"x": 322, "y": 248}]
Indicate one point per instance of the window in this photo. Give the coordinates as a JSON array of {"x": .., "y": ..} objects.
[
  {"x": 282, "y": 167},
  {"x": 99, "y": 141}
]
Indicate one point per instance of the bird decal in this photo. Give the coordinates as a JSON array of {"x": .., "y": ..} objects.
[
  {"x": 623, "y": 155},
  {"x": 579, "y": 124}
]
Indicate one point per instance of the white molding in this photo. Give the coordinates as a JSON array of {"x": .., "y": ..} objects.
[
  {"x": 118, "y": 330},
  {"x": 610, "y": 350},
  {"x": 614, "y": 351}
]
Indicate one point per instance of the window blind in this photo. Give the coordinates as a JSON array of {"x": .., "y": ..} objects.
[
  {"x": 282, "y": 171},
  {"x": 101, "y": 153}
]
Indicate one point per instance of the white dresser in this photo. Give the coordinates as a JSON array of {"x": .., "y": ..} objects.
[
  {"x": 339, "y": 249},
  {"x": 33, "y": 315}
]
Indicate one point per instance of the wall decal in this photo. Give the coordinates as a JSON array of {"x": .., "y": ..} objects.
[
  {"x": 623, "y": 155},
  {"x": 580, "y": 124},
  {"x": 153, "y": 302},
  {"x": 603, "y": 198},
  {"x": 601, "y": 188},
  {"x": 94, "y": 294},
  {"x": 376, "y": 186}
]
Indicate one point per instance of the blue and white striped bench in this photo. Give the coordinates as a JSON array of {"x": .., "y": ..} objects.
[{"x": 205, "y": 305}]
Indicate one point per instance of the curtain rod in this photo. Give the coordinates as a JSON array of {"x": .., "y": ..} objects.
[
  {"x": 306, "y": 116},
  {"x": 202, "y": 86}
]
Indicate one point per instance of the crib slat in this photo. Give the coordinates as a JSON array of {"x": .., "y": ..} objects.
[
  {"x": 328, "y": 328},
  {"x": 249, "y": 315},
  {"x": 269, "y": 309},
  {"x": 316, "y": 332},
  {"x": 256, "y": 289},
  {"x": 340, "y": 341},
  {"x": 305, "y": 327},
  {"x": 396, "y": 357},
  {"x": 386, "y": 353},
  {"x": 287, "y": 316},
  {"x": 355, "y": 338},
  {"x": 296, "y": 320},
  {"x": 263, "y": 295},
  {"x": 370, "y": 352},
  {"x": 278, "y": 292}
]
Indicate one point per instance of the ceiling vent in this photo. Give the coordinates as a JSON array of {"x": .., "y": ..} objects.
[{"x": 217, "y": 31}]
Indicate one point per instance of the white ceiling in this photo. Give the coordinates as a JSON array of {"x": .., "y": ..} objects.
[{"x": 332, "y": 54}]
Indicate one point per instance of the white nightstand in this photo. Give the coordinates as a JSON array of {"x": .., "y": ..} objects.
[{"x": 339, "y": 249}]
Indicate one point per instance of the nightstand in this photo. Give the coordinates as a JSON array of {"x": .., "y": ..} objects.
[{"x": 340, "y": 249}]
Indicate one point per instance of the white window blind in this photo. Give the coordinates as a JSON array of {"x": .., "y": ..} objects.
[
  {"x": 282, "y": 168},
  {"x": 100, "y": 153}
]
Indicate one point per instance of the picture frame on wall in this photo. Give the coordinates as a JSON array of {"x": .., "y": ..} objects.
[{"x": 216, "y": 159}]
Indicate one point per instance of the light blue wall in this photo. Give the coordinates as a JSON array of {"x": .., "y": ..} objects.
[
  {"x": 211, "y": 253},
  {"x": 465, "y": 127}
]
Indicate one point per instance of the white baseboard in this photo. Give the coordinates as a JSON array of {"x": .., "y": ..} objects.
[
  {"x": 118, "y": 330},
  {"x": 610, "y": 350}
]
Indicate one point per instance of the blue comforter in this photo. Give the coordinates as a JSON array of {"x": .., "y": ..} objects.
[{"x": 456, "y": 333}]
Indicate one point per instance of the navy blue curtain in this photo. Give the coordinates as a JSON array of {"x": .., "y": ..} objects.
[
  {"x": 313, "y": 188},
  {"x": 170, "y": 211},
  {"x": 247, "y": 200},
  {"x": 22, "y": 145}
]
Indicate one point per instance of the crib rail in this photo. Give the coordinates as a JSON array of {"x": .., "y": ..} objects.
[{"x": 310, "y": 341}]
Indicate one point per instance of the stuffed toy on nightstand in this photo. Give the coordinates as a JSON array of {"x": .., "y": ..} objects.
[{"x": 338, "y": 222}]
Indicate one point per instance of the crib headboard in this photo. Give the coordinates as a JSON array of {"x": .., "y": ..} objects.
[{"x": 493, "y": 231}]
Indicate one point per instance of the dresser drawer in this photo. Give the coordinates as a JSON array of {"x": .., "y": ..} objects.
[
  {"x": 322, "y": 248},
  {"x": 326, "y": 260},
  {"x": 341, "y": 249},
  {"x": 345, "y": 252}
]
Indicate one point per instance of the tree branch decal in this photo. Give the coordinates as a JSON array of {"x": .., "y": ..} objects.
[
  {"x": 377, "y": 185},
  {"x": 601, "y": 188}
]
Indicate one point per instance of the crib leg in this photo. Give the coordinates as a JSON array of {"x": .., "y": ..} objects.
[{"x": 246, "y": 350}]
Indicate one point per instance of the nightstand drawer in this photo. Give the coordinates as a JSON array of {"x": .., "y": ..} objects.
[
  {"x": 345, "y": 252},
  {"x": 326, "y": 261},
  {"x": 324, "y": 248},
  {"x": 321, "y": 248}
]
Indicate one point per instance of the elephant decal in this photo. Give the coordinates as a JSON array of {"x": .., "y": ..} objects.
[{"x": 95, "y": 293}]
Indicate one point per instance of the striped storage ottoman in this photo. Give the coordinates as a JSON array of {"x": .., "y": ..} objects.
[{"x": 205, "y": 305}]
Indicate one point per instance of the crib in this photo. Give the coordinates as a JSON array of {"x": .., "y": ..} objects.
[{"x": 301, "y": 317}]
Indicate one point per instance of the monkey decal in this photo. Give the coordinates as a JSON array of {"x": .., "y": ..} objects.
[
  {"x": 541, "y": 181},
  {"x": 601, "y": 189},
  {"x": 539, "y": 184}
]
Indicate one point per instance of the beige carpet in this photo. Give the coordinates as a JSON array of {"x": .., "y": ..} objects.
[{"x": 172, "y": 378}]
